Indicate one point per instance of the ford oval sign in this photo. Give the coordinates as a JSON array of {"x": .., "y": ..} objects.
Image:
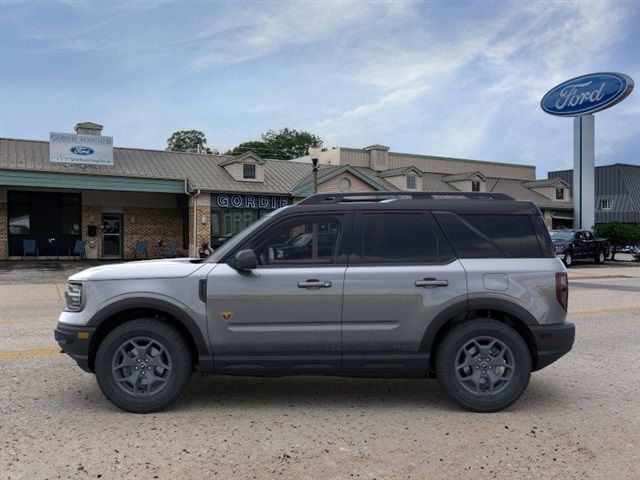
[
  {"x": 587, "y": 94},
  {"x": 82, "y": 150}
]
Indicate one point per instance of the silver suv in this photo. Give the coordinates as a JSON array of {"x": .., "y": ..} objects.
[{"x": 464, "y": 287}]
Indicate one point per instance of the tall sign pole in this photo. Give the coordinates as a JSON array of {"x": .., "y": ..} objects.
[
  {"x": 584, "y": 215},
  {"x": 580, "y": 98}
]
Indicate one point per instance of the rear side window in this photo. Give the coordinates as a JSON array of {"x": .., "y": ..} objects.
[
  {"x": 467, "y": 240},
  {"x": 401, "y": 238},
  {"x": 513, "y": 234},
  {"x": 492, "y": 236},
  {"x": 546, "y": 245}
]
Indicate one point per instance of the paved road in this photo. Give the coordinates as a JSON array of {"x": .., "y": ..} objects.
[{"x": 580, "y": 418}]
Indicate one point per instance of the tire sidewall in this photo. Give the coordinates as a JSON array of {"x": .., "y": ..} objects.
[
  {"x": 568, "y": 262},
  {"x": 457, "y": 338},
  {"x": 177, "y": 349}
]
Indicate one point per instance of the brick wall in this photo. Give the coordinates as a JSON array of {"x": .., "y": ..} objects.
[
  {"x": 203, "y": 230},
  {"x": 152, "y": 225}
]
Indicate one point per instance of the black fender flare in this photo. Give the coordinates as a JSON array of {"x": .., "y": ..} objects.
[
  {"x": 205, "y": 357},
  {"x": 464, "y": 307}
]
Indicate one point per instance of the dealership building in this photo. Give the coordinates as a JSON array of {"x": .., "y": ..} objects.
[{"x": 79, "y": 188}]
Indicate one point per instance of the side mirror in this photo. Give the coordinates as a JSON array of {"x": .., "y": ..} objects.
[{"x": 245, "y": 260}]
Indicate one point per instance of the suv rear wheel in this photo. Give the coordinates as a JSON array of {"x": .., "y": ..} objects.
[
  {"x": 483, "y": 365},
  {"x": 143, "y": 365}
]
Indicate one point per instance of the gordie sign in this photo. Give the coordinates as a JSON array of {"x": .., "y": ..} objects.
[{"x": 587, "y": 94}]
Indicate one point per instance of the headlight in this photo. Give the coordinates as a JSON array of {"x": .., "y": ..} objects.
[
  {"x": 73, "y": 297},
  {"x": 559, "y": 248}
]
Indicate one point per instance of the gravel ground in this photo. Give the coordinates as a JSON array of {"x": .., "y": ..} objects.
[{"x": 580, "y": 417}]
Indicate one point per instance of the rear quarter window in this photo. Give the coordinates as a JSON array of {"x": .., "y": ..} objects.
[{"x": 492, "y": 236}]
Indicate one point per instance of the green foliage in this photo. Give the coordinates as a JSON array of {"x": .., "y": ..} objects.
[
  {"x": 184, "y": 140},
  {"x": 255, "y": 146},
  {"x": 619, "y": 234},
  {"x": 283, "y": 144}
]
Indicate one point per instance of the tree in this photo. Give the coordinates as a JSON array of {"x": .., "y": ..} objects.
[
  {"x": 283, "y": 144},
  {"x": 255, "y": 146},
  {"x": 289, "y": 143},
  {"x": 184, "y": 140},
  {"x": 619, "y": 234}
]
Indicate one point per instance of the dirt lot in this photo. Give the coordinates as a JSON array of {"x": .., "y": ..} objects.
[{"x": 580, "y": 417}]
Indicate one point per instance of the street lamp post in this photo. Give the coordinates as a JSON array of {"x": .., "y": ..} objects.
[{"x": 314, "y": 153}]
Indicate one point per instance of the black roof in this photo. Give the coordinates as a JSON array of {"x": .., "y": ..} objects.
[{"x": 459, "y": 202}]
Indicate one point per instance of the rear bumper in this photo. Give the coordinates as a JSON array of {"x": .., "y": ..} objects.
[
  {"x": 75, "y": 345},
  {"x": 552, "y": 342}
]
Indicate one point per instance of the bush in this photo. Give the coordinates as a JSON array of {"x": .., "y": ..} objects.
[{"x": 619, "y": 234}]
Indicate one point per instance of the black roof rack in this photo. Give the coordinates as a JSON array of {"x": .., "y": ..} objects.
[{"x": 325, "y": 198}]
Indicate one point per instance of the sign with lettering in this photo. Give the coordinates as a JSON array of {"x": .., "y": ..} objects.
[
  {"x": 80, "y": 149},
  {"x": 587, "y": 94},
  {"x": 238, "y": 200}
]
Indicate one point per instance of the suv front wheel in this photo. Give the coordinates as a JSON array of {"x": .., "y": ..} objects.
[
  {"x": 143, "y": 365},
  {"x": 483, "y": 365}
]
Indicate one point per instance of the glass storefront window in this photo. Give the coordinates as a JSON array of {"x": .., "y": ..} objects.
[
  {"x": 70, "y": 214},
  {"x": 19, "y": 219}
]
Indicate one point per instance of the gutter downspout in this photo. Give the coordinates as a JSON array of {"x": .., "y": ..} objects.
[{"x": 195, "y": 225}]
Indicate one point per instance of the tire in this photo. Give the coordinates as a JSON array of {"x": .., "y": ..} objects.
[
  {"x": 568, "y": 260},
  {"x": 510, "y": 383},
  {"x": 601, "y": 256},
  {"x": 133, "y": 344}
]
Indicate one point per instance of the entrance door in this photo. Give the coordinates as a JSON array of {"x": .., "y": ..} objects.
[{"x": 111, "y": 235}]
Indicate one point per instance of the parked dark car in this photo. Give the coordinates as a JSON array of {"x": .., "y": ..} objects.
[{"x": 571, "y": 245}]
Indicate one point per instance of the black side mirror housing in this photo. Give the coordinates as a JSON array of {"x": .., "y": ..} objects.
[{"x": 245, "y": 260}]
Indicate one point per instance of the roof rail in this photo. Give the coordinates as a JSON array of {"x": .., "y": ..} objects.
[{"x": 324, "y": 198}]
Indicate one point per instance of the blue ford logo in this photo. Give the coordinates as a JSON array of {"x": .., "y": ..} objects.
[
  {"x": 82, "y": 150},
  {"x": 587, "y": 94}
]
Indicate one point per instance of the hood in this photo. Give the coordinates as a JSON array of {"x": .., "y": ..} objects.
[
  {"x": 559, "y": 241},
  {"x": 166, "y": 268}
]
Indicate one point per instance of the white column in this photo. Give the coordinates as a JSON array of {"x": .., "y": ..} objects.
[{"x": 583, "y": 172}]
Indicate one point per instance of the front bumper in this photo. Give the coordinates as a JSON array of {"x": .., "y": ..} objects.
[
  {"x": 552, "y": 342},
  {"x": 75, "y": 341}
]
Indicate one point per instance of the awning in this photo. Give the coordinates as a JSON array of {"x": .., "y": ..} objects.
[
  {"x": 23, "y": 178},
  {"x": 562, "y": 215}
]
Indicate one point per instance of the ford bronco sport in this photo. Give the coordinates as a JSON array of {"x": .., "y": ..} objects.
[{"x": 465, "y": 287}]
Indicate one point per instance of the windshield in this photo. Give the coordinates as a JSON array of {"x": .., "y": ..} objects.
[
  {"x": 561, "y": 235},
  {"x": 240, "y": 237}
]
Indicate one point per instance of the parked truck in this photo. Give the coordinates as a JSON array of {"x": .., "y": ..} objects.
[{"x": 572, "y": 245}]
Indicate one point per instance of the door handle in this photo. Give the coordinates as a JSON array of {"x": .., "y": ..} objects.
[
  {"x": 431, "y": 282},
  {"x": 313, "y": 283}
]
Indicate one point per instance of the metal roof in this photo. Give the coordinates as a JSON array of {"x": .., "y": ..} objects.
[
  {"x": 202, "y": 171},
  {"x": 393, "y": 172},
  {"x": 463, "y": 176},
  {"x": 547, "y": 182}
]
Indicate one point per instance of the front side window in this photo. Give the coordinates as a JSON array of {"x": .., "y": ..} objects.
[
  {"x": 559, "y": 193},
  {"x": 411, "y": 182},
  {"x": 249, "y": 171},
  {"x": 310, "y": 240},
  {"x": 401, "y": 238}
]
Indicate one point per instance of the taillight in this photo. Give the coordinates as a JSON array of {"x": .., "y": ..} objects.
[{"x": 562, "y": 289}]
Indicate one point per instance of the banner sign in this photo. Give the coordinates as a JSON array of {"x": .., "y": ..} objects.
[
  {"x": 80, "y": 149},
  {"x": 587, "y": 94},
  {"x": 236, "y": 200}
]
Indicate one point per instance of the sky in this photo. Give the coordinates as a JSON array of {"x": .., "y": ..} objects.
[{"x": 454, "y": 79}]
